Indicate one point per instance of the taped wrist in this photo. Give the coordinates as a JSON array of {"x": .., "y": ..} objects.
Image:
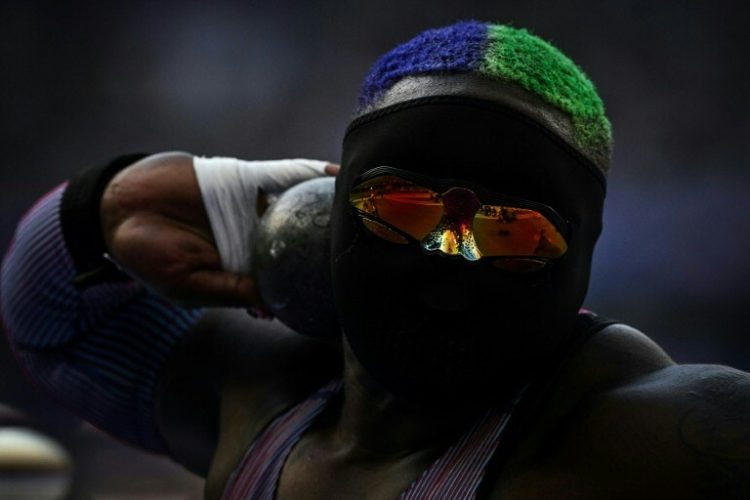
[{"x": 229, "y": 188}]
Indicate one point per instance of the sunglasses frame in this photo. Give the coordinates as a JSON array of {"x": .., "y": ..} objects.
[{"x": 486, "y": 197}]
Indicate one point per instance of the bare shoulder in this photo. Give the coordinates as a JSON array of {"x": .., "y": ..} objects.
[
  {"x": 690, "y": 425},
  {"x": 637, "y": 425},
  {"x": 710, "y": 404},
  {"x": 690, "y": 421},
  {"x": 265, "y": 367},
  {"x": 228, "y": 377},
  {"x": 610, "y": 359},
  {"x": 614, "y": 355}
]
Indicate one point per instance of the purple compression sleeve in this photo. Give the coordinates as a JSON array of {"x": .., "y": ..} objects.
[{"x": 97, "y": 349}]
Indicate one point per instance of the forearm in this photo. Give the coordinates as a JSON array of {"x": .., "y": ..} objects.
[
  {"x": 155, "y": 226},
  {"x": 163, "y": 186}
]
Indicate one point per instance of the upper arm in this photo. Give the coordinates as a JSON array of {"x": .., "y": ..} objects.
[
  {"x": 685, "y": 428},
  {"x": 186, "y": 400},
  {"x": 679, "y": 432},
  {"x": 714, "y": 428}
]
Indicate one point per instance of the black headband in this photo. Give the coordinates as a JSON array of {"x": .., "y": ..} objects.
[{"x": 474, "y": 102}]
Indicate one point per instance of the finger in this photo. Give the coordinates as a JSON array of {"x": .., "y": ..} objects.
[
  {"x": 332, "y": 169},
  {"x": 223, "y": 288}
]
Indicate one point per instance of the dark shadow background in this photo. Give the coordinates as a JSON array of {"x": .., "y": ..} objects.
[{"x": 83, "y": 82}]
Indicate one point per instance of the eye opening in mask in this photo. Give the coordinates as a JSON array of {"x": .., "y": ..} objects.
[{"x": 458, "y": 220}]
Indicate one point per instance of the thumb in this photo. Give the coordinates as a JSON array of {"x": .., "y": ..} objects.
[{"x": 332, "y": 169}]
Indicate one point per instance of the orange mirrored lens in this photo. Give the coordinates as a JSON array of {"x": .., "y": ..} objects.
[
  {"x": 510, "y": 231},
  {"x": 413, "y": 209}
]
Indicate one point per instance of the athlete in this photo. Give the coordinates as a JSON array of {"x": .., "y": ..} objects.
[{"x": 468, "y": 204}]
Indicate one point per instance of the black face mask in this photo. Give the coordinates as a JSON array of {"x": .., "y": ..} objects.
[{"x": 433, "y": 329}]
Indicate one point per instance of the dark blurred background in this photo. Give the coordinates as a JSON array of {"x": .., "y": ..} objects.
[{"x": 82, "y": 82}]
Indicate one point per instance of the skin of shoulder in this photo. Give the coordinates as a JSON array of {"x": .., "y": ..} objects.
[
  {"x": 640, "y": 426},
  {"x": 228, "y": 379}
]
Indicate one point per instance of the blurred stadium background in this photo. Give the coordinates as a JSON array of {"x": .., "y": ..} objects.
[{"x": 82, "y": 82}]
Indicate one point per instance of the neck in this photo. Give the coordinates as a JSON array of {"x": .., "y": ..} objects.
[{"x": 374, "y": 424}]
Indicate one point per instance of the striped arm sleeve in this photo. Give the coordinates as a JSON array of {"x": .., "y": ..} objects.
[{"x": 97, "y": 349}]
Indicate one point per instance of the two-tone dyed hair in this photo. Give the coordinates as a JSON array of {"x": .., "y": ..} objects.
[{"x": 503, "y": 53}]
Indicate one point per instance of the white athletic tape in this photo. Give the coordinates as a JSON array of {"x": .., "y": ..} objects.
[{"x": 229, "y": 188}]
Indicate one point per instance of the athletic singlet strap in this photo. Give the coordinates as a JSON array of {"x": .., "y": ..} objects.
[
  {"x": 458, "y": 473},
  {"x": 258, "y": 473}
]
